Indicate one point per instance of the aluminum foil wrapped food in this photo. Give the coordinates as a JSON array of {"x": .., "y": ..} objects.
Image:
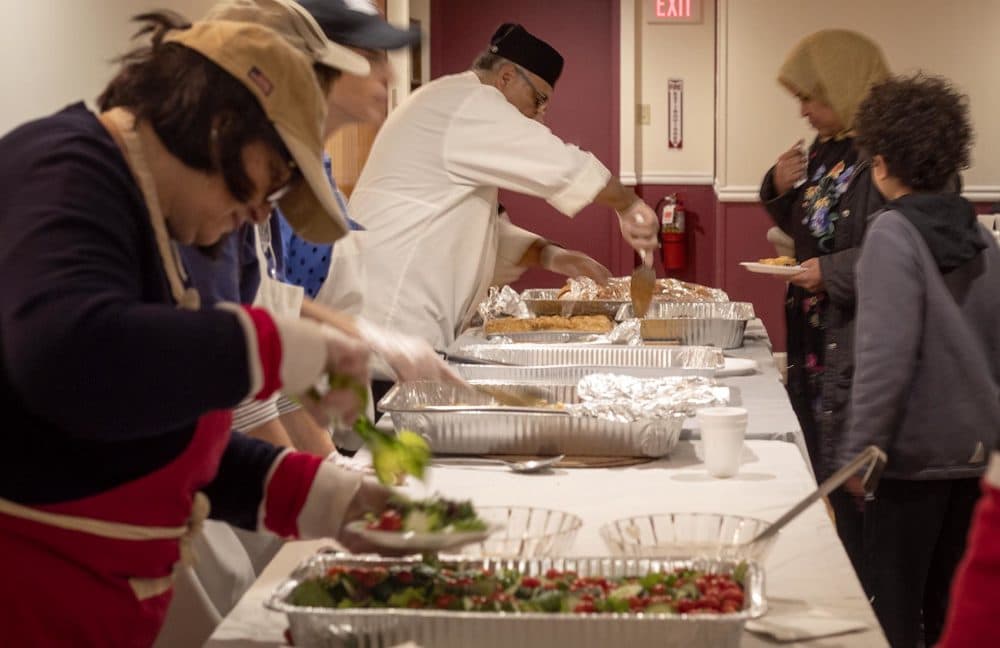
[
  {"x": 502, "y": 302},
  {"x": 624, "y": 399},
  {"x": 617, "y": 289}
]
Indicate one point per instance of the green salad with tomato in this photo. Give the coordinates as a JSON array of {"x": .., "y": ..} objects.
[
  {"x": 423, "y": 586},
  {"x": 433, "y": 515}
]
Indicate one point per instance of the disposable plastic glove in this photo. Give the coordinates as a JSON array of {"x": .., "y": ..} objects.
[
  {"x": 409, "y": 357},
  {"x": 347, "y": 356},
  {"x": 573, "y": 263},
  {"x": 639, "y": 227}
]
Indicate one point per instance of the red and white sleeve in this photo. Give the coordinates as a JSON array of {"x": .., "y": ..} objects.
[{"x": 285, "y": 353}]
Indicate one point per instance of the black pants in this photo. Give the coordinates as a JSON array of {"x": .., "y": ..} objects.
[
  {"x": 850, "y": 526},
  {"x": 914, "y": 537}
]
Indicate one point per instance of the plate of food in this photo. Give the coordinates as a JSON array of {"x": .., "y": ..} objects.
[
  {"x": 433, "y": 524},
  {"x": 782, "y": 265}
]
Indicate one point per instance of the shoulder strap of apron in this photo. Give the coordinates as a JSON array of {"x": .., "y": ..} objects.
[{"x": 186, "y": 297}]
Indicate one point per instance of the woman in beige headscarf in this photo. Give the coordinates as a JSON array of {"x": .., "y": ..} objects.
[{"x": 821, "y": 198}]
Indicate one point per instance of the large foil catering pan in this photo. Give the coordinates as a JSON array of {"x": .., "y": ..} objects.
[
  {"x": 697, "y": 323},
  {"x": 668, "y": 358},
  {"x": 545, "y": 301},
  {"x": 456, "y": 422},
  {"x": 548, "y": 337},
  {"x": 546, "y": 375},
  {"x": 311, "y": 626}
]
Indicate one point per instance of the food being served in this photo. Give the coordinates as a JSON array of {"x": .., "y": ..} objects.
[
  {"x": 779, "y": 261},
  {"x": 476, "y": 590},
  {"x": 617, "y": 289},
  {"x": 394, "y": 456},
  {"x": 576, "y": 323},
  {"x": 433, "y": 515}
]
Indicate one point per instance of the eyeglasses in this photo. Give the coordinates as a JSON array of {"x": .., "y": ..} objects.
[
  {"x": 282, "y": 191},
  {"x": 540, "y": 97}
]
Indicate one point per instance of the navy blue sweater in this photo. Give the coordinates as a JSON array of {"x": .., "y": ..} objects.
[{"x": 102, "y": 378}]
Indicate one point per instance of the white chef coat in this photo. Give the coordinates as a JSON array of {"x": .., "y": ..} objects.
[{"x": 427, "y": 198}]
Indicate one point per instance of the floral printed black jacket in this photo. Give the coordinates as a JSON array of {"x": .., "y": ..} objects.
[{"x": 827, "y": 217}]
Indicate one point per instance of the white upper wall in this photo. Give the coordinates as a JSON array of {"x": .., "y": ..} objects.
[
  {"x": 56, "y": 52},
  {"x": 685, "y": 52},
  {"x": 757, "y": 119}
]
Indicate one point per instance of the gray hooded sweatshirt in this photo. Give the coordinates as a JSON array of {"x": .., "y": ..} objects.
[{"x": 927, "y": 376}]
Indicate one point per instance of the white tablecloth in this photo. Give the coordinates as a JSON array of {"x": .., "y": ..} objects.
[{"x": 807, "y": 568}]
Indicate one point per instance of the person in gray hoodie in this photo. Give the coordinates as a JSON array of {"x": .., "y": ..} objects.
[{"x": 927, "y": 353}]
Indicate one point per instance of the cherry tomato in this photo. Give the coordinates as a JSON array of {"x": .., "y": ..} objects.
[
  {"x": 585, "y": 607},
  {"x": 390, "y": 520},
  {"x": 530, "y": 582}
]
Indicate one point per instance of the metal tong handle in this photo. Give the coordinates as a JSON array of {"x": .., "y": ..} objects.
[
  {"x": 871, "y": 456},
  {"x": 530, "y": 396},
  {"x": 463, "y": 359}
]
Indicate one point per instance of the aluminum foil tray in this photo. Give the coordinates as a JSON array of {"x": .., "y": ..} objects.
[
  {"x": 709, "y": 324},
  {"x": 545, "y": 301},
  {"x": 693, "y": 358},
  {"x": 486, "y": 428},
  {"x": 554, "y": 374},
  {"x": 548, "y": 337},
  {"x": 311, "y": 626}
]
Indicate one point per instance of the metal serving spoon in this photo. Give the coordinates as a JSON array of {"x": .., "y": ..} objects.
[{"x": 527, "y": 466}]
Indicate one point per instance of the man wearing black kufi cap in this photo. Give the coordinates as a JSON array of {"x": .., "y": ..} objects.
[{"x": 427, "y": 196}]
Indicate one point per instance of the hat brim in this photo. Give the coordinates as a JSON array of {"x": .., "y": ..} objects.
[
  {"x": 376, "y": 33},
  {"x": 341, "y": 58},
  {"x": 310, "y": 206}
]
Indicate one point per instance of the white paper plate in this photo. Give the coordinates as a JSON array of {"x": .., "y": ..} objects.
[
  {"x": 764, "y": 268},
  {"x": 420, "y": 542},
  {"x": 737, "y": 367}
]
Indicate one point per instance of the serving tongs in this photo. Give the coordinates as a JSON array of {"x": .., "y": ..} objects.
[
  {"x": 871, "y": 458},
  {"x": 526, "y": 396}
]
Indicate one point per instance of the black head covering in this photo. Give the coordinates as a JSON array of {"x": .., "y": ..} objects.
[{"x": 514, "y": 43}]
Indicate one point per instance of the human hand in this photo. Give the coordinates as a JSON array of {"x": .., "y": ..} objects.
[
  {"x": 811, "y": 277},
  {"x": 347, "y": 362},
  {"x": 639, "y": 227},
  {"x": 409, "y": 357},
  {"x": 855, "y": 487},
  {"x": 573, "y": 263},
  {"x": 790, "y": 168}
]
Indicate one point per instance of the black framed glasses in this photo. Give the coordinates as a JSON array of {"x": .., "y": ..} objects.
[
  {"x": 540, "y": 97},
  {"x": 282, "y": 191}
]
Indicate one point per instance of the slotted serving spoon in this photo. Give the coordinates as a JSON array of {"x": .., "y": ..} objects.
[{"x": 871, "y": 456}]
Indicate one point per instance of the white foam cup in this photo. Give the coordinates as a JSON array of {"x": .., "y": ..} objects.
[{"x": 722, "y": 432}]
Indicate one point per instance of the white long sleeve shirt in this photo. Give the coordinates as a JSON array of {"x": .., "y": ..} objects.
[{"x": 427, "y": 198}]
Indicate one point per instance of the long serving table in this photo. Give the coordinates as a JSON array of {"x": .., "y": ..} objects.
[{"x": 808, "y": 574}]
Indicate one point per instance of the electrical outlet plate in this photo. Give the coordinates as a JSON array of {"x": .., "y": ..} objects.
[{"x": 644, "y": 114}]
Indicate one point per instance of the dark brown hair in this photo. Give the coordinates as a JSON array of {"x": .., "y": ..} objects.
[
  {"x": 920, "y": 126},
  {"x": 203, "y": 115}
]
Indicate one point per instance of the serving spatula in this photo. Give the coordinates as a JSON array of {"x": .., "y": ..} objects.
[{"x": 642, "y": 285}]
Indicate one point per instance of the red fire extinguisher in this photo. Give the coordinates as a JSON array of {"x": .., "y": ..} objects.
[{"x": 672, "y": 237}]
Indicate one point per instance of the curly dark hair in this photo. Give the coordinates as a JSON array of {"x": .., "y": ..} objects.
[{"x": 920, "y": 126}]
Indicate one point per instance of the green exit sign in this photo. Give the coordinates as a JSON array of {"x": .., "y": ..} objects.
[{"x": 673, "y": 11}]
